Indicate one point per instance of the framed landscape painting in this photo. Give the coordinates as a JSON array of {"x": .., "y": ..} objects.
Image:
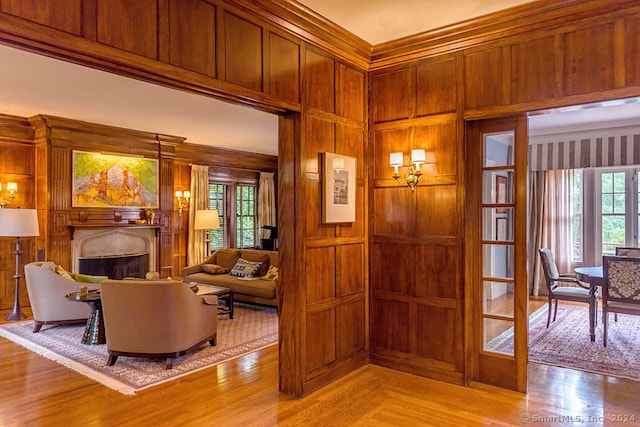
[
  {"x": 109, "y": 180},
  {"x": 338, "y": 189}
]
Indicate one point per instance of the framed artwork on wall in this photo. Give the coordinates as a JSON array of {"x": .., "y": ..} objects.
[
  {"x": 110, "y": 180},
  {"x": 338, "y": 189},
  {"x": 501, "y": 192}
]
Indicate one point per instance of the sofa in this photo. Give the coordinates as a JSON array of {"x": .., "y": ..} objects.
[
  {"x": 256, "y": 289},
  {"x": 156, "y": 319}
]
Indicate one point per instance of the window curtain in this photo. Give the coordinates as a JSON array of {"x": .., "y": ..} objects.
[
  {"x": 266, "y": 203},
  {"x": 551, "y": 200},
  {"x": 197, "y": 250}
]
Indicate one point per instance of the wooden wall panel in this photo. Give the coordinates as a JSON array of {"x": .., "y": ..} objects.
[
  {"x": 386, "y": 142},
  {"x": 129, "y": 25},
  {"x": 438, "y": 270},
  {"x": 439, "y": 142},
  {"x": 436, "y": 87},
  {"x": 243, "y": 36},
  {"x": 350, "y": 325},
  {"x": 395, "y": 212},
  {"x": 350, "y": 99},
  {"x": 193, "y": 23},
  {"x": 533, "y": 70},
  {"x": 321, "y": 350},
  {"x": 632, "y": 51},
  {"x": 321, "y": 274},
  {"x": 390, "y": 326},
  {"x": 350, "y": 269},
  {"x": 437, "y": 336},
  {"x": 319, "y": 81},
  {"x": 284, "y": 68},
  {"x": 484, "y": 75},
  {"x": 588, "y": 60},
  {"x": 65, "y": 15},
  {"x": 392, "y": 96},
  {"x": 437, "y": 213},
  {"x": 394, "y": 270}
]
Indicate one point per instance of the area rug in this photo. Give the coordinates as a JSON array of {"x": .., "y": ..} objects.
[
  {"x": 566, "y": 342},
  {"x": 251, "y": 329}
]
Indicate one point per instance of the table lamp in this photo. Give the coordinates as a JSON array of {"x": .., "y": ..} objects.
[{"x": 18, "y": 223}]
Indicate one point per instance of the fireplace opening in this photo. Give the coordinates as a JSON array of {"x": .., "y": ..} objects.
[{"x": 115, "y": 266}]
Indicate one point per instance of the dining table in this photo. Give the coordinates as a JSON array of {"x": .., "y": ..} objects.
[{"x": 594, "y": 276}]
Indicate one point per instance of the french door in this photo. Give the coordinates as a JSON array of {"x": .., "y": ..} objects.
[{"x": 496, "y": 252}]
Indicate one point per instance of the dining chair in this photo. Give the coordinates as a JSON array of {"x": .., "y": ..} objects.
[
  {"x": 634, "y": 252},
  {"x": 577, "y": 292},
  {"x": 621, "y": 293}
]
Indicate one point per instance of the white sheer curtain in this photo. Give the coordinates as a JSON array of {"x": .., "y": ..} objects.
[
  {"x": 551, "y": 201},
  {"x": 197, "y": 250},
  {"x": 266, "y": 201}
]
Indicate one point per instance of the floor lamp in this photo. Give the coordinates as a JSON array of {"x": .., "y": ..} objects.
[
  {"x": 18, "y": 223},
  {"x": 206, "y": 220}
]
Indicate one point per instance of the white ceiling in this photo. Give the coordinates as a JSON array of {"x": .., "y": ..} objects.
[{"x": 31, "y": 84}]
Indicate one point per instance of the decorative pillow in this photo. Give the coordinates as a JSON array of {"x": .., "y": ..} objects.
[
  {"x": 244, "y": 268},
  {"x": 63, "y": 273},
  {"x": 214, "y": 269},
  {"x": 272, "y": 274},
  {"x": 86, "y": 278},
  {"x": 262, "y": 258},
  {"x": 49, "y": 265}
]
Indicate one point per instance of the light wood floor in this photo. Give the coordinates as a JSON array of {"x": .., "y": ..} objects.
[{"x": 244, "y": 392}]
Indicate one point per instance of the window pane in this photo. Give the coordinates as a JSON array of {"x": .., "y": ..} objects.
[
  {"x": 618, "y": 182},
  {"x": 612, "y": 233},
  {"x": 218, "y": 238},
  {"x": 577, "y": 216},
  {"x": 618, "y": 203},
  {"x": 498, "y": 149},
  {"x": 607, "y": 203},
  {"x": 498, "y": 336},
  {"x": 246, "y": 221}
]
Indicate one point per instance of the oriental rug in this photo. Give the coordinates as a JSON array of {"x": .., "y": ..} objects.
[
  {"x": 566, "y": 342},
  {"x": 251, "y": 329}
]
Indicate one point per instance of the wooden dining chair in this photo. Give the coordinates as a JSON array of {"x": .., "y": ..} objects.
[
  {"x": 634, "y": 252},
  {"x": 578, "y": 292},
  {"x": 621, "y": 293}
]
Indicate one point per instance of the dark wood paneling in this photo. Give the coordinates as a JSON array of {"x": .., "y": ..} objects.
[
  {"x": 394, "y": 268},
  {"x": 438, "y": 270},
  {"x": 350, "y": 269},
  {"x": 437, "y": 210},
  {"x": 632, "y": 51},
  {"x": 533, "y": 70},
  {"x": 436, "y": 87},
  {"x": 436, "y": 333},
  {"x": 321, "y": 274},
  {"x": 390, "y": 325},
  {"x": 395, "y": 211},
  {"x": 192, "y": 23},
  {"x": 350, "y": 97},
  {"x": 243, "y": 36},
  {"x": 223, "y": 157},
  {"x": 129, "y": 25},
  {"x": 321, "y": 340},
  {"x": 439, "y": 143},
  {"x": 387, "y": 142},
  {"x": 392, "y": 96},
  {"x": 588, "y": 60},
  {"x": 351, "y": 328},
  {"x": 65, "y": 15},
  {"x": 484, "y": 76},
  {"x": 319, "y": 81},
  {"x": 284, "y": 68}
]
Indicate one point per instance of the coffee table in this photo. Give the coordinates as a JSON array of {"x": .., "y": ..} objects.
[
  {"x": 222, "y": 293},
  {"x": 94, "y": 331}
]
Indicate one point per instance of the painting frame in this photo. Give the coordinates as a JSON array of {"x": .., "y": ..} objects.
[
  {"x": 109, "y": 180},
  {"x": 338, "y": 189},
  {"x": 501, "y": 192}
]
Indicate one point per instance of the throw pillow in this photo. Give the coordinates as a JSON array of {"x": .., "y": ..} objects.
[
  {"x": 272, "y": 274},
  {"x": 226, "y": 257},
  {"x": 63, "y": 273},
  {"x": 214, "y": 269},
  {"x": 262, "y": 258},
  {"x": 244, "y": 268}
]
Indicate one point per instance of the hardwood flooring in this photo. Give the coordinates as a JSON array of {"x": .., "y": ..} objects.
[{"x": 244, "y": 392}]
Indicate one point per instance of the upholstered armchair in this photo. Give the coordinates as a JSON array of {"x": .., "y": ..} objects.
[
  {"x": 47, "y": 290},
  {"x": 621, "y": 293},
  {"x": 156, "y": 319}
]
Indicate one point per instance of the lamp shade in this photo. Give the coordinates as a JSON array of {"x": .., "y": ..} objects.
[
  {"x": 418, "y": 156},
  {"x": 19, "y": 222},
  {"x": 206, "y": 219},
  {"x": 395, "y": 159}
]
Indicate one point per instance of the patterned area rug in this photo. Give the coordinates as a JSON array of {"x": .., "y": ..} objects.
[
  {"x": 251, "y": 329},
  {"x": 566, "y": 342}
]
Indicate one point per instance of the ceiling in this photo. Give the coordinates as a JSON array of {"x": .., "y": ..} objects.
[{"x": 32, "y": 84}]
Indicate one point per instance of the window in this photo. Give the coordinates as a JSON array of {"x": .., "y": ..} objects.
[
  {"x": 236, "y": 205},
  {"x": 613, "y": 211},
  {"x": 576, "y": 214}
]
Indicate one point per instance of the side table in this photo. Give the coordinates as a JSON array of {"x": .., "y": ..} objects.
[
  {"x": 221, "y": 293},
  {"x": 94, "y": 331}
]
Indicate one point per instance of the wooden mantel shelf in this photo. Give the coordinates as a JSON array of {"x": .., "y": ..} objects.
[{"x": 75, "y": 227}]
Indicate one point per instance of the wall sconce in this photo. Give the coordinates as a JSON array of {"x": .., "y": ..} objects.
[
  {"x": 183, "y": 200},
  {"x": 412, "y": 176},
  {"x": 12, "y": 187}
]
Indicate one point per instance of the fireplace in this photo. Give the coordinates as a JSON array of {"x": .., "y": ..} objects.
[{"x": 116, "y": 252}]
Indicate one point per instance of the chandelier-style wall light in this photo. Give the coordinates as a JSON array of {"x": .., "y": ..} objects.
[
  {"x": 182, "y": 197},
  {"x": 413, "y": 173},
  {"x": 12, "y": 187}
]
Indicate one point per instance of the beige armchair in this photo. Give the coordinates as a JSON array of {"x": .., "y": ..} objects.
[
  {"x": 156, "y": 319},
  {"x": 47, "y": 291}
]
